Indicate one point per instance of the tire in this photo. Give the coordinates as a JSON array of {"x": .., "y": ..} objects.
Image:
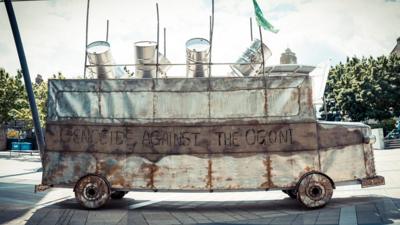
[
  {"x": 118, "y": 194},
  {"x": 291, "y": 193},
  {"x": 314, "y": 190},
  {"x": 92, "y": 191}
]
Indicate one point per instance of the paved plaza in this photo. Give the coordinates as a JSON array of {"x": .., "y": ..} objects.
[{"x": 350, "y": 204}]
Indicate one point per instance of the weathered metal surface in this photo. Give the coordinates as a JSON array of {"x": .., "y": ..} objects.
[
  {"x": 197, "y": 134},
  {"x": 180, "y": 140},
  {"x": 373, "y": 181},
  {"x": 341, "y": 134},
  {"x": 182, "y": 100},
  {"x": 314, "y": 190},
  {"x": 343, "y": 163},
  {"x": 344, "y": 155},
  {"x": 183, "y": 172}
]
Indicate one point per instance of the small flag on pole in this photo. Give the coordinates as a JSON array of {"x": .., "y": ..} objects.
[{"x": 261, "y": 20}]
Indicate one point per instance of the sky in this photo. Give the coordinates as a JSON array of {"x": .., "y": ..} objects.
[{"x": 53, "y": 32}]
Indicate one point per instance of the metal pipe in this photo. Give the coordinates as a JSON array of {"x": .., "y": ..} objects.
[
  {"x": 262, "y": 50},
  {"x": 108, "y": 27},
  {"x": 176, "y": 64},
  {"x": 27, "y": 78},
  {"x": 211, "y": 36},
  {"x": 158, "y": 39},
  {"x": 86, "y": 37},
  {"x": 165, "y": 42},
  {"x": 251, "y": 29}
]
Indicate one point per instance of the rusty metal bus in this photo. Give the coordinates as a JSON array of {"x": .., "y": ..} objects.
[{"x": 106, "y": 137}]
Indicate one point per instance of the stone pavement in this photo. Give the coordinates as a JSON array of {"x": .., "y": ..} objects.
[{"x": 350, "y": 204}]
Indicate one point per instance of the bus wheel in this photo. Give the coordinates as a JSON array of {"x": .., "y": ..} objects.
[
  {"x": 314, "y": 190},
  {"x": 291, "y": 193},
  {"x": 118, "y": 194},
  {"x": 92, "y": 191}
]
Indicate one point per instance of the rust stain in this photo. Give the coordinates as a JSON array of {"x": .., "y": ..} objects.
[
  {"x": 373, "y": 181},
  {"x": 147, "y": 169},
  {"x": 268, "y": 183},
  {"x": 209, "y": 175},
  {"x": 307, "y": 169},
  {"x": 369, "y": 161}
]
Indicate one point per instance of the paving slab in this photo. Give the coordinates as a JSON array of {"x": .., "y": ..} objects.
[{"x": 350, "y": 204}]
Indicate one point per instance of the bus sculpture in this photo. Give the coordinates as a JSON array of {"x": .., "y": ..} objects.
[{"x": 105, "y": 137}]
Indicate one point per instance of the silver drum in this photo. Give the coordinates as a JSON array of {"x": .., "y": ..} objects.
[
  {"x": 252, "y": 58},
  {"x": 197, "y": 53},
  {"x": 99, "y": 53},
  {"x": 145, "y": 52}
]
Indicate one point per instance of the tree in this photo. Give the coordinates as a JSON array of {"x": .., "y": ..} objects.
[
  {"x": 14, "y": 103},
  {"x": 11, "y": 92},
  {"x": 365, "y": 88}
]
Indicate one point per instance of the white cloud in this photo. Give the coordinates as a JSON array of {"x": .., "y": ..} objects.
[{"x": 53, "y": 32}]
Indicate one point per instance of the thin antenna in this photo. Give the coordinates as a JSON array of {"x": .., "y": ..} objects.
[
  {"x": 251, "y": 29},
  {"x": 211, "y": 36},
  {"x": 262, "y": 51},
  {"x": 158, "y": 39},
  {"x": 108, "y": 27},
  {"x": 165, "y": 42},
  {"x": 86, "y": 37}
]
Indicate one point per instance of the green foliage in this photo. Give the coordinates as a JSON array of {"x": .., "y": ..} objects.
[
  {"x": 11, "y": 94},
  {"x": 363, "y": 89},
  {"x": 14, "y": 104}
]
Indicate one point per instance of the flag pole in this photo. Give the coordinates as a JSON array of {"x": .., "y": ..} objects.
[{"x": 262, "y": 51}]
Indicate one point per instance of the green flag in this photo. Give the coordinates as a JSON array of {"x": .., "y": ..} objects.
[{"x": 261, "y": 20}]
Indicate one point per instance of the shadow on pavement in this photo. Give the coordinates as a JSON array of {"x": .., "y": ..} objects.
[
  {"x": 364, "y": 210},
  {"x": 15, "y": 203}
]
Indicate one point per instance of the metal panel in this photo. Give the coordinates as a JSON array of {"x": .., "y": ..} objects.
[
  {"x": 343, "y": 164},
  {"x": 188, "y": 172},
  {"x": 77, "y": 104},
  {"x": 237, "y": 104},
  {"x": 340, "y": 134},
  {"x": 180, "y": 100},
  {"x": 155, "y": 142},
  {"x": 120, "y": 105},
  {"x": 181, "y": 105},
  {"x": 287, "y": 168},
  {"x": 283, "y": 102},
  {"x": 231, "y": 172}
]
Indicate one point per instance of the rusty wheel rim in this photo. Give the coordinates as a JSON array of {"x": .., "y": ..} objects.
[
  {"x": 314, "y": 190},
  {"x": 92, "y": 191}
]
